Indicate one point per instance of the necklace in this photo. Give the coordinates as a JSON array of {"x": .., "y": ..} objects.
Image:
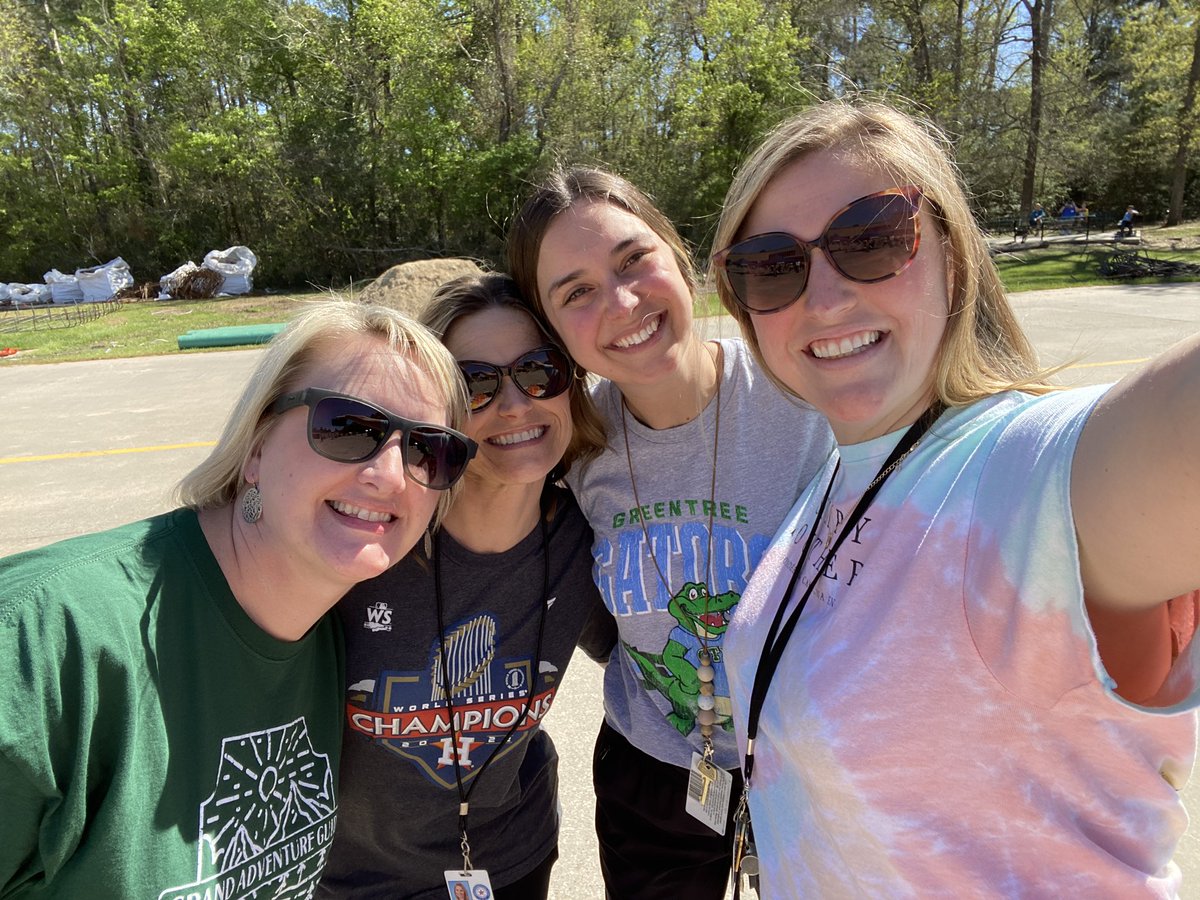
[
  {"x": 706, "y": 714},
  {"x": 464, "y": 794},
  {"x": 889, "y": 469},
  {"x": 777, "y": 637}
]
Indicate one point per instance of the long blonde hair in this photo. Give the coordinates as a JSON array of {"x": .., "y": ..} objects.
[
  {"x": 983, "y": 350},
  {"x": 217, "y": 481}
]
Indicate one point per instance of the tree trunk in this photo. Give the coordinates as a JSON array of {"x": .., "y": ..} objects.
[
  {"x": 1039, "y": 24},
  {"x": 959, "y": 17},
  {"x": 500, "y": 44},
  {"x": 1186, "y": 129}
]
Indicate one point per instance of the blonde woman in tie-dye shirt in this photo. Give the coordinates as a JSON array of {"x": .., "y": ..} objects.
[{"x": 986, "y": 691}]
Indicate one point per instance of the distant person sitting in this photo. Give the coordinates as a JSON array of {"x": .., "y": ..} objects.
[
  {"x": 1036, "y": 215},
  {"x": 1125, "y": 226},
  {"x": 1067, "y": 215}
]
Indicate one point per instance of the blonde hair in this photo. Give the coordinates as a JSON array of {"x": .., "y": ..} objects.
[
  {"x": 983, "y": 350},
  {"x": 217, "y": 481},
  {"x": 468, "y": 294}
]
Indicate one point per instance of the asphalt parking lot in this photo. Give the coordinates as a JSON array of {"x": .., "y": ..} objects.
[{"x": 93, "y": 444}]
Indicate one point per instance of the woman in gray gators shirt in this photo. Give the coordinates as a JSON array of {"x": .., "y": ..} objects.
[{"x": 704, "y": 458}]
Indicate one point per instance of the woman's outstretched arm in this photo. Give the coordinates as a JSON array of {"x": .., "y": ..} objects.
[{"x": 1135, "y": 486}]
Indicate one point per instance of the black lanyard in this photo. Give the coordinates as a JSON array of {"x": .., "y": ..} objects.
[
  {"x": 464, "y": 794},
  {"x": 777, "y": 639}
]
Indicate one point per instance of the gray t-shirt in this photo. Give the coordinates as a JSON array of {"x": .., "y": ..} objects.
[
  {"x": 397, "y": 827},
  {"x": 768, "y": 449}
]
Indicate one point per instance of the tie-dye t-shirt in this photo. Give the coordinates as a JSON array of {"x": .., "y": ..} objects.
[{"x": 941, "y": 724}]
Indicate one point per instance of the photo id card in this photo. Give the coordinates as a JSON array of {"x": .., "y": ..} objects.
[
  {"x": 468, "y": 884},
  {"x": 708, "y": 793}
]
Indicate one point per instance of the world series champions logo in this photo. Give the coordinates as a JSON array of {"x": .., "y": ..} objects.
[{"x": 407, "y": 712}]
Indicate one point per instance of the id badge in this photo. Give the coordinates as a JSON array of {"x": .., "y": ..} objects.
[
  {"x": 468, "y": 884},
  {"x": 708, "y": 793}
]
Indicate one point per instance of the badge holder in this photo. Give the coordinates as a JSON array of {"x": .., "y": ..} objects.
[
  {"x": 468, "y": 884},
  {"x": 708, "y": 791}
]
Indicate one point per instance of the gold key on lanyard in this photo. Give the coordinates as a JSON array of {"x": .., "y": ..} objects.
[
  {"x": 745, "y": 857},
  {"x": 708, "y": 775}
]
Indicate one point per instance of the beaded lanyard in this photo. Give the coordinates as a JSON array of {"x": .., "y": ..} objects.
[
  {"x": 464, "y": 795},
  {"x": 745, "y": 860},
  {"x": 706, "y": 712}
]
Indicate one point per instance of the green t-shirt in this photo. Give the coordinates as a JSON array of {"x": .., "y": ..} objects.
[{"x": 154, "y": 742}]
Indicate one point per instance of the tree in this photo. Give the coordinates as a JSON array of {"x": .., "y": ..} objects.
[
  {"x": 1161, "y": 43},
  {"x": 1185, "y": 130}
]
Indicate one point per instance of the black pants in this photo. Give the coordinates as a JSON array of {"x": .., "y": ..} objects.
[
  {"x": 649, "y": 846},
  {"x": 534, "y": 886}
]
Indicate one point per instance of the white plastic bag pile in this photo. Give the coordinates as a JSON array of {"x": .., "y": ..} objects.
[
  {"x": 235, "y": 265},
  {"x": 88, "y": 285},
  {"x": 104, "y": 282},
  {"x": 63, "y": 288},
  {"x": 25, "y": 294}
]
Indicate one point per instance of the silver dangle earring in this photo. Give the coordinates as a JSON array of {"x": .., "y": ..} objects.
[
  {"x": 429, "y": 543},
  {"x": 252, "y": 505}
]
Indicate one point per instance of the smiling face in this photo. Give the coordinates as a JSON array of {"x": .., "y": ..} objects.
[
  {"x": 520, "y": 438},
  {"x": 336, "y": 523},
  {"x": 611, "y": 287},
  {"x": 862, "y": 354}
]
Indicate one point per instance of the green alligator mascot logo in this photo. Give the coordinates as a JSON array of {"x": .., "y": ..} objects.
[{"x": 702, "y": 620}]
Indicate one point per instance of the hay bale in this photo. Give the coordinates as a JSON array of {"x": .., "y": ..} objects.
[{"x": 408, "y": 286}]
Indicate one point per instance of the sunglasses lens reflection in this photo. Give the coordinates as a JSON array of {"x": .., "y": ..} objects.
[
  {"x": 435, "y": 458},
  {"x": 348, "y": 431},
  {"x": 767, "y": 271},
  {"x": 871, "y": 240},
  {"x": 540, "y": 374},
  {"x": 345, "y": 430},
  {"x": 482, "y": 384}
]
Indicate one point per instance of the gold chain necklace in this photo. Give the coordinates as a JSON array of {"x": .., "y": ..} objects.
[
  {"x": 705, "y": 672},
  {"x": 888, "y": 471}
]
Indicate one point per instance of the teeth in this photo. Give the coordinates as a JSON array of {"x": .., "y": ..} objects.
[
  {"x": 531, "y": 434},
  {"x": 365, "y": 514},
  {"x": 641, "y": 337},
  {"x": 847, "y": 346}
]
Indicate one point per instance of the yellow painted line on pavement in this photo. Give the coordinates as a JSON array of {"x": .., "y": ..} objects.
[
  {"x": 80, "y": 454},
  {"x": 1115, "y": 362}
]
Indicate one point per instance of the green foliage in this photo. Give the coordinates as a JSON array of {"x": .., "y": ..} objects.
[{"x": 338, "y": 137}]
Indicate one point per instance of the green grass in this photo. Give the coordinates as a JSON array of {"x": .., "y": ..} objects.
[
  {"x": 1051, "y": 268},
  {"x": 141, "y": 328}
]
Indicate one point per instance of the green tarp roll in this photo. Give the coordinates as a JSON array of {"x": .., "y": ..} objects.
[{"x": 230, "y": 336}]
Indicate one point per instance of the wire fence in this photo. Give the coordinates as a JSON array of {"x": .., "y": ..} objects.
[{"x": 37, "y": 318}]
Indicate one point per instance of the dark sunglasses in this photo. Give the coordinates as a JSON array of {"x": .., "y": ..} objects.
[
  {"x": 541, "y": 374},
  {"x": 350, "y": 430},
  {"x": 872, "y": 239}
]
